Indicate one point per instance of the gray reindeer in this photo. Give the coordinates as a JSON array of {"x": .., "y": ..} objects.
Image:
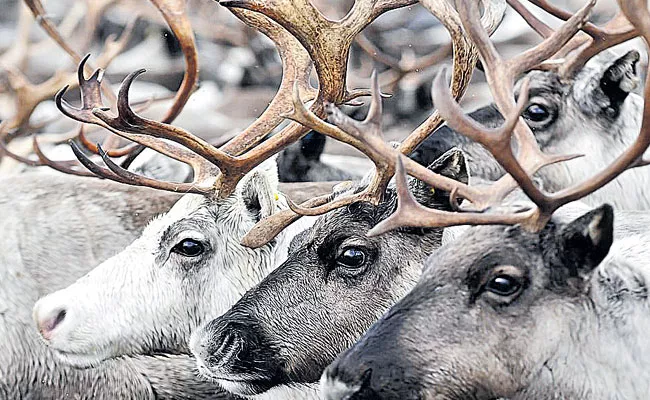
[
  {"x": 335, "y": 283},
  {"x": 548, "y": 306},
  {"x": 281, "y": 332},
  {"x": 505, "y": 313}
]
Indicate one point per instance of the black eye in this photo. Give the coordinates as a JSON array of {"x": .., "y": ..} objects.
[
  {"x": 536, "y": 113},
  {"x": 188, "y": 248},
  {"x": 351, "y": 257},
  {"x": 503, "y": 285}
]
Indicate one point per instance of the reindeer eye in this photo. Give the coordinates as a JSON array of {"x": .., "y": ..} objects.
[
  {"x": 503, "y": 285},
  {"x": 188, "y": 248},
  {"x": 351, "y": 258},
  {"x": 536, "y": 113}
]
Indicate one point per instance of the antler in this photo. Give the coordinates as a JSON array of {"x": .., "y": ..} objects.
[
  {"x": 412, "y": 214},
  {"x": 204, "y": 158},
  {"x": 582, "y": 47},
  {"x": 465, "y": 57},
  {"x": 296, "y": 67},
  {"x": 367, "y": 136},
  {"x": 28, "y": 96}
]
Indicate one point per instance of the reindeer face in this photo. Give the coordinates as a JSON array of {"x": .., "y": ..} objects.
[
  {"x": 334, "y": 285},
  {"x": 592, "y": 113},
  {"x": 486, "y": 319},
  {"x": 188, "y": 266}
]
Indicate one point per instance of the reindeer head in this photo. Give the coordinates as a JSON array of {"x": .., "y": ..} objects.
[
  {"x": 595, "y": 109},
  {"x": 187, "y": 266},
  {"x": 334, "y": 284},
  {"x": 500, "y": 312}
]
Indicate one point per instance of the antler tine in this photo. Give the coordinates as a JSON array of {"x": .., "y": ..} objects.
[
  {"x": 89, "y": 145},
  {"x": 464, "y": 60},
  {"x": 175, "y": 14},
  {"x": 272, "y": 225},
  {"x": 28, "y": 95},
  {"x": 538, "y": 26},
  {"x": 410, "y": 213},
  {"x": 615, "y": 31},
  {"x": 64, "y": 167},
  {"x": 36, "y": 7},
  {"x": 296, "y": 67}
]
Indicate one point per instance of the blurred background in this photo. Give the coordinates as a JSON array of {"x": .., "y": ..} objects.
[{"x": 240, "y": 70}]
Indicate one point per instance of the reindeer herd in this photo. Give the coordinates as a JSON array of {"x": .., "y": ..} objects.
[{"x": 499, "y": 254}]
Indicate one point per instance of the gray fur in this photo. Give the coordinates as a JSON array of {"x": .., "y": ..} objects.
[
  {"x": 291, "y": 325},
  {"x": 575, "y": 330}
]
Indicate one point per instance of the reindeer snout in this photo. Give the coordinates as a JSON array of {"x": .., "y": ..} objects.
[
  {"x": 48, "y": 318},
  {"x": 219, "y": 343},
  {"x": 231, "y": 347}
]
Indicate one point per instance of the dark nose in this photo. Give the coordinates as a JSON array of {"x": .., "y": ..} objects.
[
  {"x": 235, "y": 344},
  {"x": 223, "y": 343}
]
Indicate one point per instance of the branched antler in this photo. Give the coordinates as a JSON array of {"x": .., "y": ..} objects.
[
  {"x": 412, "y": 214},
  {"x": 367, "y": 136},
  {"x": 296, "y": 67},
  {"x": 465, "y": 57},
  {"x": 582, "y": 47}
]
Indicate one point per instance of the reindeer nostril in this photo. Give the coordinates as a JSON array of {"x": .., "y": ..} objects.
[
  {"x": 225, "y": 350},
  {"x": 51, "y": 321},
  {"x": 60, "y": 316}
]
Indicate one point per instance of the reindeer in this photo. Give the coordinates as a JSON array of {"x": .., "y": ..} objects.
[
  {"x": 190, "y": 259},
  {"x": 28, "y": 368},
  {"x": 281, "y": 333},
  {"x": 284, "y": 331},
  {"x": 594, "y": 109},
  {"x": 549, "y": 306},
  {"x": 333, "y": 285}
]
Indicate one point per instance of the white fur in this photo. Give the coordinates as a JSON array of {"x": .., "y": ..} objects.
[{"x": 144, "y": 298}]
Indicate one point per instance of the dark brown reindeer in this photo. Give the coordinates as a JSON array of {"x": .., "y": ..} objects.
[{"x": 549, "y": 306}]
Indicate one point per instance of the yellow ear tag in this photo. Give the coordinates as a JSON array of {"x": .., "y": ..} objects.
[
  {"x": 277, "y": 197},
  {"x": 433, "y": 190}
]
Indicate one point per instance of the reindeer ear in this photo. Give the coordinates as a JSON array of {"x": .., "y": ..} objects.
[
  {"x": 585, "y": 242},
  {"x": 259, "y": 190},
  {"x": 312, "y": 145},
  {"x": 451, "y": 164},
  {"x": 620, "y": 79}
]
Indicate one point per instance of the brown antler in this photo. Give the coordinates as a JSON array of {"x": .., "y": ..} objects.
[
  {"x": 203, "y": 157},
  {"x": 411, "y": 214},
  {"x": 28, "y": 96},
  {"x": 367, "y": 136},
  {"x": 296, "y": 67},
  {"x": 465, "y": 57},
  {"x": 582, "y": 47}
]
